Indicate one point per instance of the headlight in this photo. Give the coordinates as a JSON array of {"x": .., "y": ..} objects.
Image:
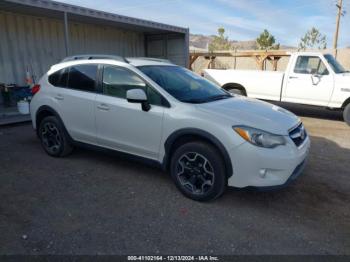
[{"x": 258, "y": 137}]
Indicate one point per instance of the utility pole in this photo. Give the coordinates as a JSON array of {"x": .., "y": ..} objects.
[{"x": 335, "y": 41}]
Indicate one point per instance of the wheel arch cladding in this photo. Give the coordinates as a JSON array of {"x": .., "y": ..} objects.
[
  {"x": 45, "y": 111},
  {"x": 183, "y": 136}
]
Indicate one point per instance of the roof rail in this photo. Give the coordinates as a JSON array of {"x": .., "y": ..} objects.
[
  {"x": 151, "y": 59},
  {"x": 90, "y": 57}
]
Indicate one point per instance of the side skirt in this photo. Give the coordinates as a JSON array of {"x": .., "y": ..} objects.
[{"x": 119, "y": 154}]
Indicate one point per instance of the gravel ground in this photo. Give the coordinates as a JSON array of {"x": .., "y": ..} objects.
[{"x": 96, "y": 203}]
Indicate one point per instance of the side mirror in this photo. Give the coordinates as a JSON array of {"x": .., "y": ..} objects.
[{"x": 138, "y": 96}]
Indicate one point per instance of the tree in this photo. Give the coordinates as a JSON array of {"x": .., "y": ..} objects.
[
  {"x": 220, "y": 42},
  {"x": 266, "y": 41},
  {"x": 313, "y": 39}
]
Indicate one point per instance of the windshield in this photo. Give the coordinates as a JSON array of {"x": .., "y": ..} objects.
[
  {"x": 184, "y": 85},
  {"x": 337, "y": 68}
]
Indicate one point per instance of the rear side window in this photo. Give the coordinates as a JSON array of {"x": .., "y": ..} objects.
[
  {"x": 59, "y": 78},
  {"x": 82, "y": 77}
]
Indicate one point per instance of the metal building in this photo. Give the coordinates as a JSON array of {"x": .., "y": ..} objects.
[{"x": 34, "y": 34}]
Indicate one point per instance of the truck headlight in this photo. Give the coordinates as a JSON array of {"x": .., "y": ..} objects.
[{"x": 259, "y": 137}]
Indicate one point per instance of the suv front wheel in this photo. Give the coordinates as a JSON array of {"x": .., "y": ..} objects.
[
  {"x": 198, "y": 171},
  {"x": 54, "y": 138}
]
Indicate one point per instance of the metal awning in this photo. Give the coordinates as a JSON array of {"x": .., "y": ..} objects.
[
  {"x": 81, "y": 14},
  {"x": 68, "y": 12}
]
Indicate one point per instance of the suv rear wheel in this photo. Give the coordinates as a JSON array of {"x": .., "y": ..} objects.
[
  {"x": 198, "y": 171},
  {"x": 54, "y": 138}
]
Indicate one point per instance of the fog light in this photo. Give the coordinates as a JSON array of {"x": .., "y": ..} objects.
[{"x": 262, "y": 173}]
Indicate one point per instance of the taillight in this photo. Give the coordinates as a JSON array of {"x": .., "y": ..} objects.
[{"x": 35, "y": 89}]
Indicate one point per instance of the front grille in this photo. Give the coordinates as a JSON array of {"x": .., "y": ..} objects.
[{"x": 298, "y": 134}]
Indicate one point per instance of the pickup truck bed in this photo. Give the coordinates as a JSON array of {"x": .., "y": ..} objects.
[{"x": 254, "y": 82}]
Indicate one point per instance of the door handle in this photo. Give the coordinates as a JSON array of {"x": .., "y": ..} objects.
[
  {"x": 103, "y": 107},
  {"x": 293, "y": 77},
  {"x": 313, "y": 77},
  {"x": 59, "y": 97}
]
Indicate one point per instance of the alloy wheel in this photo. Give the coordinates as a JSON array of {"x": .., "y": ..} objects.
[
  {"x": 51, "y": 137},
  {"x": 195, "y": 173}
]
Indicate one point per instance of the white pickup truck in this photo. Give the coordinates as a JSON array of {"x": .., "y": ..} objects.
[{"x": 310, "y": 78}]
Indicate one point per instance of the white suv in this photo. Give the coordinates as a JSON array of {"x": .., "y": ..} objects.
[{"x": 205, "y": 137}]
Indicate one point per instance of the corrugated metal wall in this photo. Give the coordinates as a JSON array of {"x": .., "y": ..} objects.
[
  {"x": 89, "y": 38},
  {"x": 38, "y": 42},
  {"x": 169, "y": 46}
]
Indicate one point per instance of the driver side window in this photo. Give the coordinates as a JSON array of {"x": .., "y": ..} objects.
[
  {"x": 117, "y": 81},
  {"x": 310, "y": 65}
]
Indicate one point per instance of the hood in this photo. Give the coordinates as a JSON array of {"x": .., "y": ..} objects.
[{"x": 240, "y": 110}]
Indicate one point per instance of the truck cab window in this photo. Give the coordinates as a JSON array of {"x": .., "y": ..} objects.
[{"x": 310, "y": 65}]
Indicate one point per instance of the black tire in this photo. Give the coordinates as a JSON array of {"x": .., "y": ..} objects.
[
  {"x": 200, "y": 181},
  {"x": 346, "y": 114},
  {"x": 54, "y": 138},
  {"x": 235, "y": 91}
]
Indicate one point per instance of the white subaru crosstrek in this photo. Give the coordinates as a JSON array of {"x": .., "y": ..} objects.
[{"x": 150, "y": 108}]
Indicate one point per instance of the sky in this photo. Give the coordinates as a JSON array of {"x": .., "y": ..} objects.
[{"x": 287, "y": 20}]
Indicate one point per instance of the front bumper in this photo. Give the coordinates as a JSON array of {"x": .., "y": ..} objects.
[
  {"x": 297, "y": 172},
  {"x": 263, "y": 167}
]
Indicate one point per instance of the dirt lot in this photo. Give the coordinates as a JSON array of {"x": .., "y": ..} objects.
[{"x": 93, "y": 203}]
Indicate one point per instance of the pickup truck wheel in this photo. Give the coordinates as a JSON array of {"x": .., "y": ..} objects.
[
  {"x": 198, "y": 171},
  {"x": 54, "y": 139},
  {"x": 236, "y": 91},
  {"x": 346, "y": 114}
]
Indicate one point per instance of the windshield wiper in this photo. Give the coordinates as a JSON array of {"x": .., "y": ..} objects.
[
  {"x": 193, "y": 101},
  {"x": 218, "y": 97},
  {"x": 205, "y": 100}
]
